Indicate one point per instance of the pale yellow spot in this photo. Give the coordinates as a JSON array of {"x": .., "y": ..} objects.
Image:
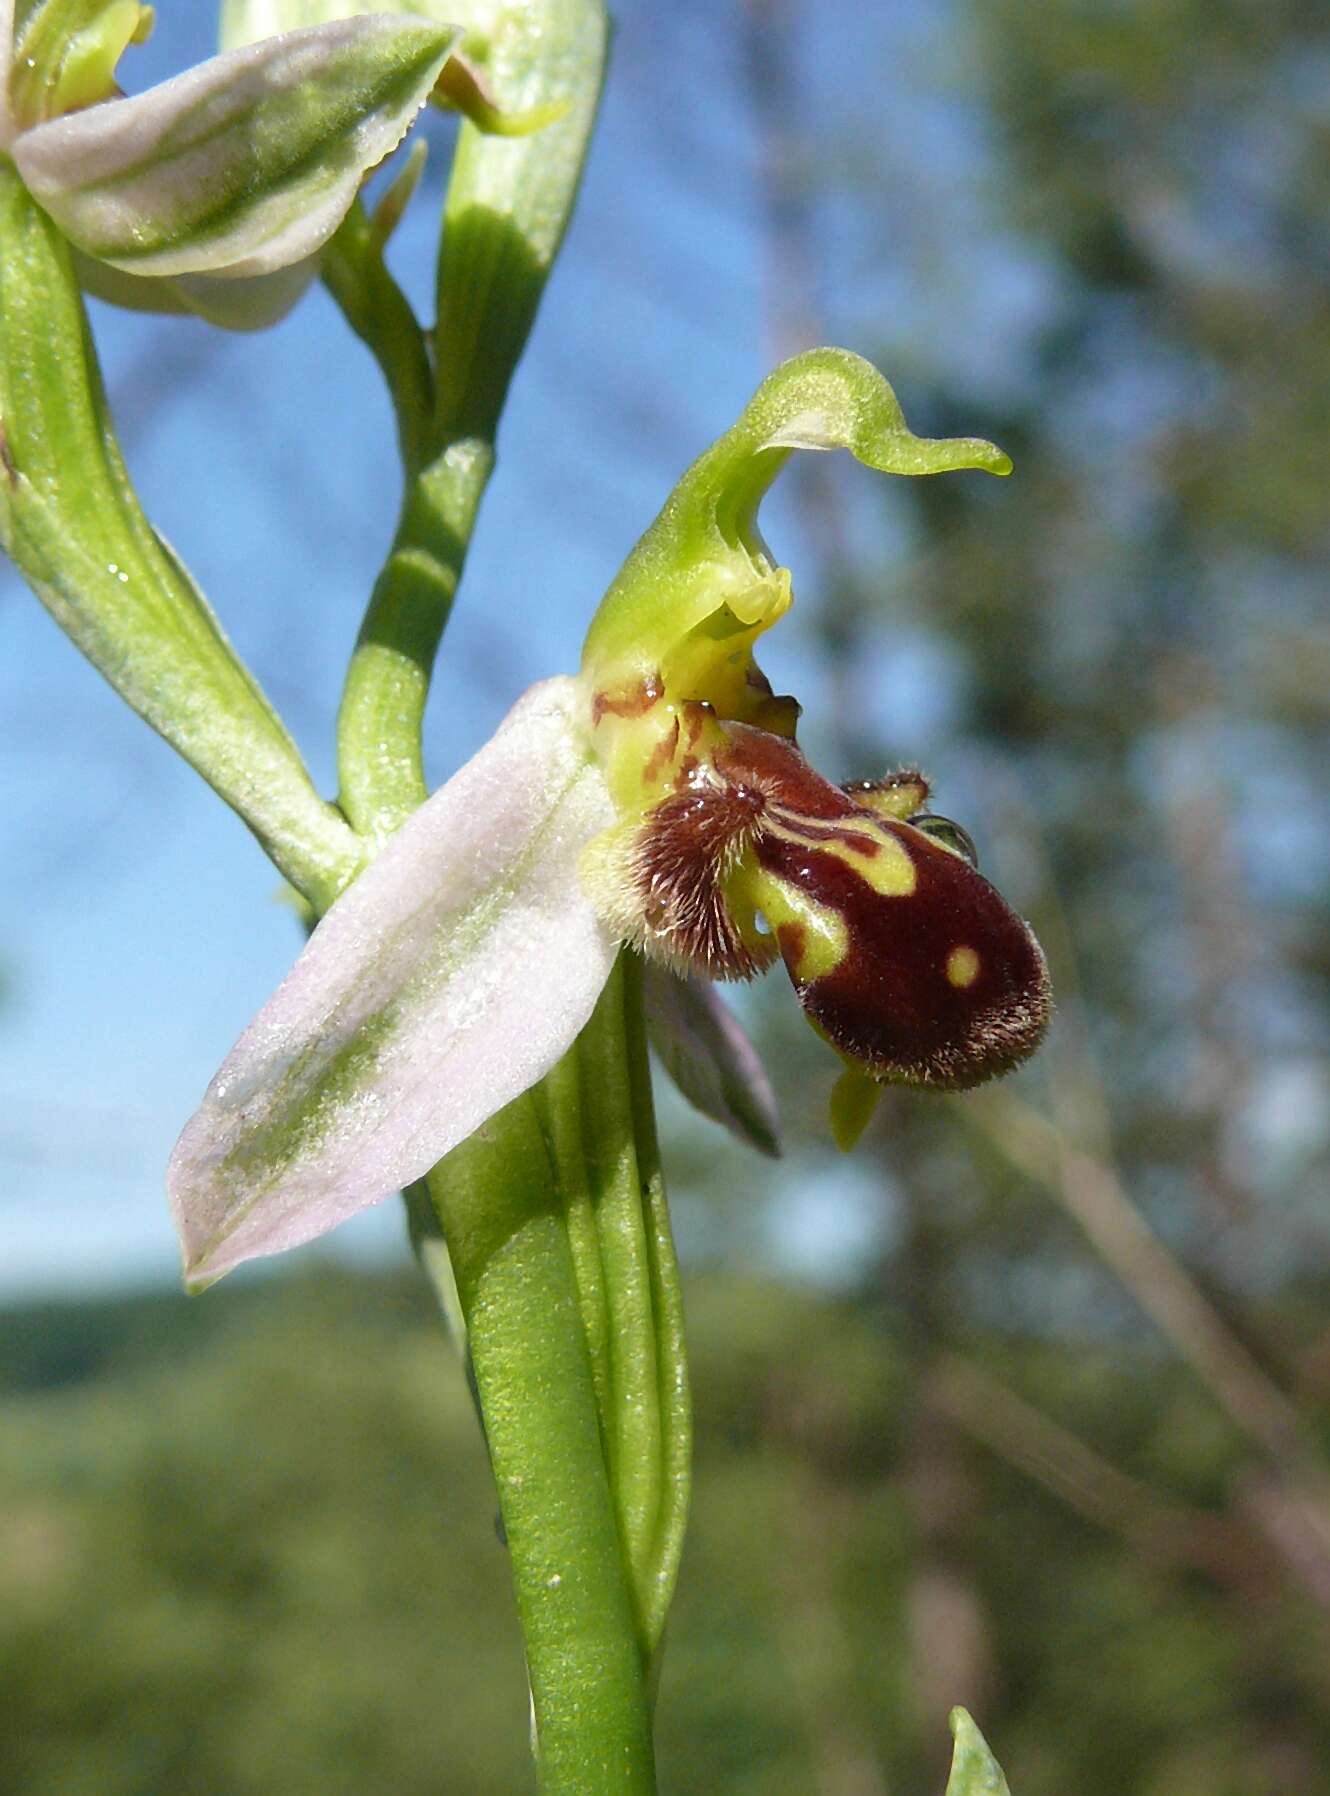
[
  {"x": 962, "y": 967},
  {"x": 822, "y": 940}
]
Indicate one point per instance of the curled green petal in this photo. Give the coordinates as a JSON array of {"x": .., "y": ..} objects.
[
  {"x": 702, "y": 566},
  {"x": 65, "y": 53},
  {"x": 243, "y": 165}
]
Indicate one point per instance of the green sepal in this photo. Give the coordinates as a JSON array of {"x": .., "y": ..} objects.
[
  {"x": 702, "y": 566},
  {"x": 71, "y": 522},
  {"x": 244, "y": 164},
  {"x": 974, "y": 1770},
  {"x": 65, "y": 53}
]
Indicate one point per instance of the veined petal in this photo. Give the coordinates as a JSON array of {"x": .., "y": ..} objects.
[
  {"x": 702, "y": 1046},
  {"x": 448, "y": 979},
  {"x": 244, "y": 164}
]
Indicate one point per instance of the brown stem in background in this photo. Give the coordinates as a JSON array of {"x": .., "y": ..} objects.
[
  {"x": 1092, "y": 1192},
  {"x": 1154, "y": 1525}
]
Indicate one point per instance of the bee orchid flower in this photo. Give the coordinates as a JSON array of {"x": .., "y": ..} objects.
[
  {"x": 657, "y": 798},
  {"x": 214, "y": 191}
]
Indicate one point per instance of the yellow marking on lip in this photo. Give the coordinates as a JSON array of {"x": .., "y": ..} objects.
[
  {"x": 823, "y": 940},
  {"x": 885, "y": 865},
  {"x": 962, "y": 967}
]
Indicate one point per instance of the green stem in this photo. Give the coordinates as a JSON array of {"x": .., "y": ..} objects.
[
  {"x": 558, "y": 1269},
  {"x": 502, "y": 1212},
  {"x": 380, "y": 314},
  {"x": 563, "y": 1267},
  {"x": 508, "y": 205},
  {"x": 383, "y": 702}
]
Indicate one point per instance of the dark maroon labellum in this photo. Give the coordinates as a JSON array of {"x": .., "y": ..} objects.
[{"x": 902, "y": 954}]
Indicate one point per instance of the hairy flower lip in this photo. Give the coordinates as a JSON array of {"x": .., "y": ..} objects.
[
  {"x": 943, "y": 987},
  {"x": 904, "y": 957}
]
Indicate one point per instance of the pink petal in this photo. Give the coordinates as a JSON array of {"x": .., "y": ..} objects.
[{"x": 446, "y": 981}]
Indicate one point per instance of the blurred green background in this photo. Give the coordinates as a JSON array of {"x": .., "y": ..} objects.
[{"x": 1026, "y": 1405}]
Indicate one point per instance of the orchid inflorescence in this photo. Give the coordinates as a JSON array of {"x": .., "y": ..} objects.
[{"x": 657, "y": 798}]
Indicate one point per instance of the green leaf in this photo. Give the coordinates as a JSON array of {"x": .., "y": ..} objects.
[
  {"x": 974, "y": 1770},
  {"x": 65, "y": 53},
  {"x": 509, "y": 201},
  {"x": 244, "y": 164},
  {"x": 70, "y": 520}
]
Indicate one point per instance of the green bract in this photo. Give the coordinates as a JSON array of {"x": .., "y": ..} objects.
[
  {"x": 71, "y": 522},
  {"x": 214, "y": 191},
  {"x": 974, "y": 1770}
]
